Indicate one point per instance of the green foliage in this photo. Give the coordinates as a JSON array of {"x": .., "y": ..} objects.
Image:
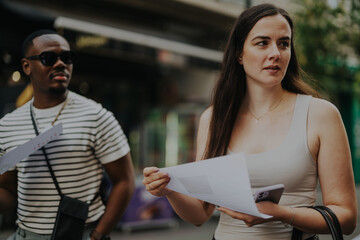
[{"x": 327, "y": 41}]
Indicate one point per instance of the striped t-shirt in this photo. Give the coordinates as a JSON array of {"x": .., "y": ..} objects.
[{"x": 91, "y": 137}]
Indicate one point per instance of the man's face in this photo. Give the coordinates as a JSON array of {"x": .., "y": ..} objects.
[{"x": 48, "y": 79}]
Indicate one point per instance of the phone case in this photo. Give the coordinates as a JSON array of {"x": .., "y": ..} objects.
[{"x": 270, "y": 193}]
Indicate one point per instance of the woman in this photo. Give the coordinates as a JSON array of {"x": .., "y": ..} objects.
[{"x": 262, "y": 107}]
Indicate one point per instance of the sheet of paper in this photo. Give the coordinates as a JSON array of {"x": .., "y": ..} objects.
[
  {"x": 11, "y": 158},
  {"x": 222, "y": 181}
]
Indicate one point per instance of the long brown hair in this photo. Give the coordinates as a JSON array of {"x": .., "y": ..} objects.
[{"x": 230, "y": 89}]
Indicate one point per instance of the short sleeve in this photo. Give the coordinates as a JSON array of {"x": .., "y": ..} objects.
[{"x": 110, "y": 142}]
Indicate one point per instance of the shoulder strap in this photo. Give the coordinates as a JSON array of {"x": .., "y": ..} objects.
[
  {"x": 331, "y": 220},
  {"x": 299, "y": 119},
  {"x": 44, "y": 152},
  {"x": 334, "y": 218},
  {"x": 296, "y": 234},
  {"x": 301, "y": 111}
]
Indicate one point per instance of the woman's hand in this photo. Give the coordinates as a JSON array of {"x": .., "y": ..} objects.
[
  {"x": 265, "y": 207},
  {"x": 156, "y": 182}
]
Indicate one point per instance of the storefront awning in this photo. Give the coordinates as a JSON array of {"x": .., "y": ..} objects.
[{"x": 138, "y": 38}]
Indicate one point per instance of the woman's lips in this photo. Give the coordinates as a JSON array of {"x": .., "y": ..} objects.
[{"x": 272, "y": 69}]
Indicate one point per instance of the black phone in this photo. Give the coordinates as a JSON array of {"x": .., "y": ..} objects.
[{"x": 270, "y": 193}]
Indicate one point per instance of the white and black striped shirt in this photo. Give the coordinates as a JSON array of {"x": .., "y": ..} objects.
[{"x": 91, "y": 137}]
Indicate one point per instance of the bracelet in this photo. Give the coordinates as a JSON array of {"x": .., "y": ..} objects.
[
  {"x": 98, "y": 236},
  {"x": 293, "y": 216}
]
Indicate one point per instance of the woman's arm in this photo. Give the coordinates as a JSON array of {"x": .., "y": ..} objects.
[
  {"x": 188, "y": 208},
  {"x": 332, "y": 153}
]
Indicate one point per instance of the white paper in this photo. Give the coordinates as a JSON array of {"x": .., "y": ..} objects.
[
  {"x": 11, "y": 158},
  {"x": 222, "y": 181}
]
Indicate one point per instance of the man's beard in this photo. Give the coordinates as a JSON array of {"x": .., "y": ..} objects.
[{"x": 58, "y": 91}]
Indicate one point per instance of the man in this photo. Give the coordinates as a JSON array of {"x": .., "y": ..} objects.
[{"x": 91, "y": 140}]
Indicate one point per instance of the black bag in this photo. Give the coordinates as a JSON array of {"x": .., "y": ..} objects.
[
  {"x": 70, "y": 219},
  {"x": 331, "y": 221}
]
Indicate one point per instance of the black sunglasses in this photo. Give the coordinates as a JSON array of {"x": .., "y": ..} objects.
[{"x": 50, "y": 58}]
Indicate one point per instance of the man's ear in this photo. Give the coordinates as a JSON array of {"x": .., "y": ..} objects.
[{"x": 25, "y": 66}]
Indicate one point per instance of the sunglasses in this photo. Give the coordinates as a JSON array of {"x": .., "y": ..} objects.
[{"x": 50, "y": 58}]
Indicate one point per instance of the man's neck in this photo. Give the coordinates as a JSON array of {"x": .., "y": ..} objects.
[{"x": 49, "y": 101}]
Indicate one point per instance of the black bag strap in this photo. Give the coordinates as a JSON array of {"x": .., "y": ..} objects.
[
  {"x": 331, "y": 220},
  {"x": 48, "y": 162},
  {"x": 296, "y": 234},
  {"x": 334, "y": 219}
]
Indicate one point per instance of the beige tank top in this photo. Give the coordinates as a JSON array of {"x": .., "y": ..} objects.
[{"x": 290, "y": 164}]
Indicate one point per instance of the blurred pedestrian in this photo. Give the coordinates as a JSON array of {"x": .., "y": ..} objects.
[
  {"x": 92, "y": 141},
  {"x": 262, "y": 107}
]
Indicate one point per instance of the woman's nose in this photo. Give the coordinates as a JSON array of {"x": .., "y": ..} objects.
[{"x": 274, "y": 52}]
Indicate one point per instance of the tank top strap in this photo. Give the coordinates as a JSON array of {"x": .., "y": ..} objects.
[{"x": 299, "y": 124}]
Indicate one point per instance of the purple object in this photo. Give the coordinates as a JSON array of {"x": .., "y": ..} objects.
[{"x": 146, "y": 209}]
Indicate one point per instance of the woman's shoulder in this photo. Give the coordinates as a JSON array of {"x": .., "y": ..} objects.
[
  {"x": 205, "y": 118},
  {"x": 323, "y": 110},
  {"x": 206, "y": 114},
  {"x": 323, "y": 105}
]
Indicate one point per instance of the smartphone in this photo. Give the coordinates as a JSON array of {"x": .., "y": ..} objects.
[{"x": 270, "y": 193}]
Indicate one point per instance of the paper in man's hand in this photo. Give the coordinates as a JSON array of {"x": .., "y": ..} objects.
[{"x": 14, "y": 156}]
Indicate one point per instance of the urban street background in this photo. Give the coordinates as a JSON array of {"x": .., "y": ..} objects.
[{"x": 154, "y": 64}]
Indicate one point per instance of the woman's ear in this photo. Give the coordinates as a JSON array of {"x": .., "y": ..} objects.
[{"x": 240, "y": 59}]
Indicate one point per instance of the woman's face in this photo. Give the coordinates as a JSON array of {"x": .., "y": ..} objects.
[{"x": 267, "y": 50}]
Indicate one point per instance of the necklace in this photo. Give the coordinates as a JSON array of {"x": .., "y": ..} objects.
[
  {"x": 58, "y": 114},
  {"x": 257, "y": 118},
  {"x": 62, "y": 108}
]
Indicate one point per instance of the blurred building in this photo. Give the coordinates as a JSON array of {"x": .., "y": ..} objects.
[
  {"x": 152, "y": 63},
  {"x": 140, "y": 59}
]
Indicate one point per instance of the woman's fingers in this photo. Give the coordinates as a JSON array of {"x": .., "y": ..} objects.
[
  {"x": 155, "y": 181},
  {"x": 158, "y": 188},
  {"x": 149, "y": 170},
  {"x": 154, "y": 184},
  {"x": 248, "y": 219},
  {"x": 153, "y": 175},
  {"x": 231, "y": 213}
]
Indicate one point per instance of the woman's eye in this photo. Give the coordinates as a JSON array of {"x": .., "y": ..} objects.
[
  {"x": 262, "y": 43},
  {"x": 284, "y": 44}
]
